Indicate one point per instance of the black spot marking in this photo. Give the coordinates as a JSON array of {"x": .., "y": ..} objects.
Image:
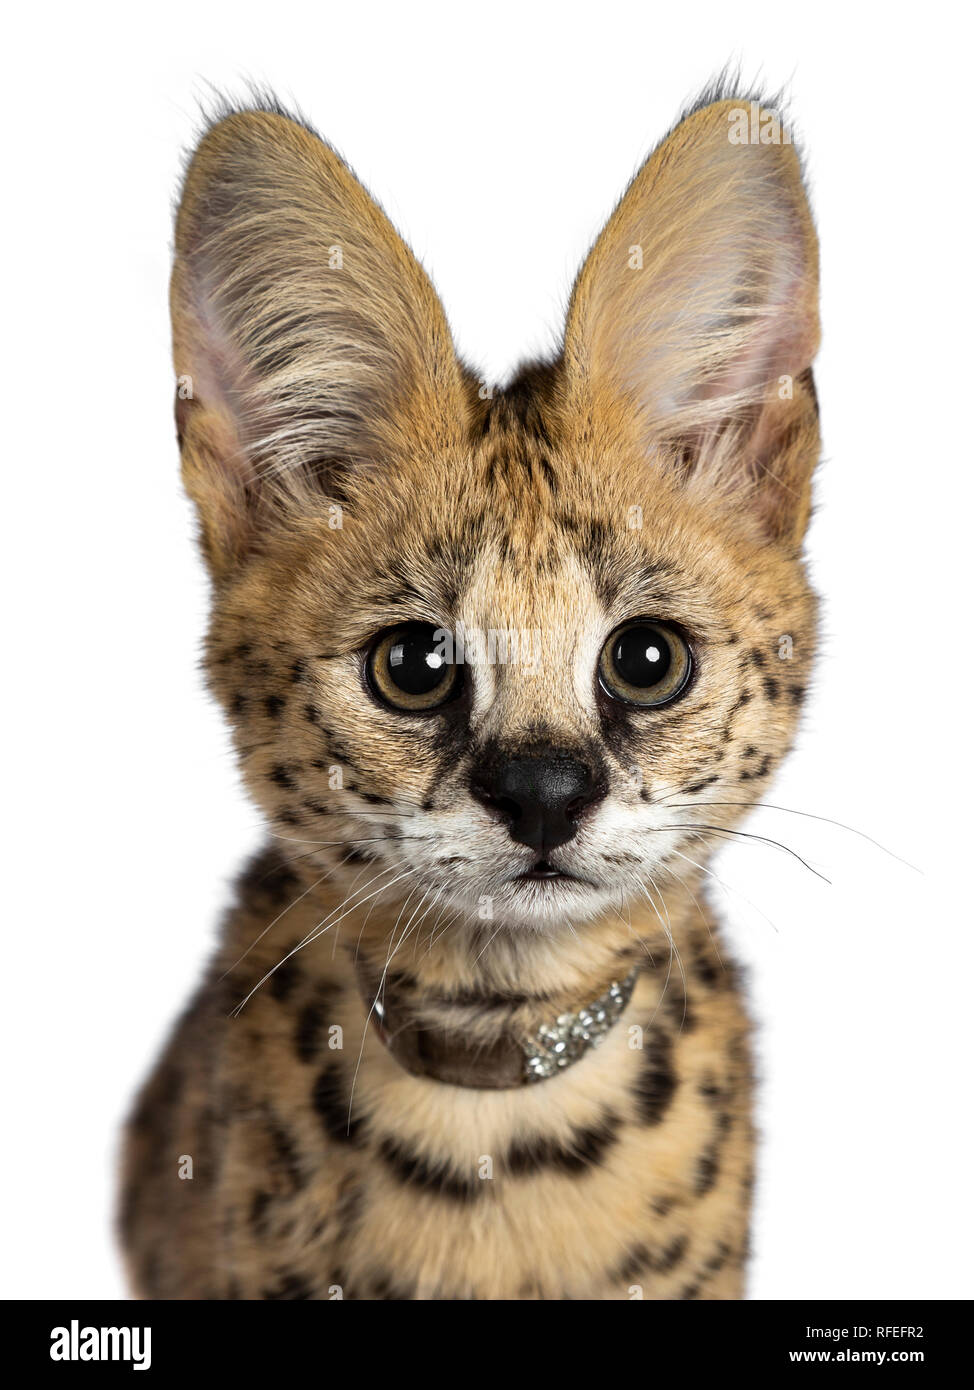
[
  {"x": 718, "y": 1259},
  {"x": 281, "y": 984},
  {"x": 290, "y": 1286},
  {"x": 743, "y": 699},
  {"x": 704, "y": 968},
  {"x": 356, "y": 857},
  {"x": 700, "y": 786},
  {"x": 680, "y": 1010},
  {"x": 258, "y": 1211},
  {"x": 331, "y": 1105},
  {"x": 430, "y": 1175},
  {"x": 238, "y": 653},
  {"x": 585, "y": 1149},
  {"x": 662, "y": 1261},
  {"x": 386, "y": 1289},
  {"x": 708, "y": 1169},
  {"x": 637, "y": 1259},
  {"x": 274, "y": 704},
  {"x": 657, "y": 1082},
  {"x": 283, "y": 777},
  {"x": 267, "y": 879},
  {"x": 760, "y": 771},
  {"x": 286, "y": 1161},
  {"x": 771, "y": 687},
  {"x": 311, "y": 1025},
  {"x": 339, "y": 753}
]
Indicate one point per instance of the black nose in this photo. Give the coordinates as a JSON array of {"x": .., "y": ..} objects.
[{"x": 541, "y": 797}]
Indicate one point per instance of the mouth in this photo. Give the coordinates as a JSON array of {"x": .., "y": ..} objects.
[{"x": 544, "y": 872}]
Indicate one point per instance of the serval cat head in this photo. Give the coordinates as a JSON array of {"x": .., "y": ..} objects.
[{"x": 517, "y": 645}]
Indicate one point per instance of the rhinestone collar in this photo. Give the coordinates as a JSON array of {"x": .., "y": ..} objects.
[
  {"x": 557, "y": 1045},
  {"x": 445, "y": 1053}
]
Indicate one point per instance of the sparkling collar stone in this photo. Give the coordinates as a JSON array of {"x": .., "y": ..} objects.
[{"x": 557, "y": 1045}]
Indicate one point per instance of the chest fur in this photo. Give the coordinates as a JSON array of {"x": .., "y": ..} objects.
[{"x": 324, "y": 1170}]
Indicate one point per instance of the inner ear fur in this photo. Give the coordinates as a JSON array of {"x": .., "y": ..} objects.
[
  {"x": 693, "y": 323},
  {"x": 308, "y": 341}
]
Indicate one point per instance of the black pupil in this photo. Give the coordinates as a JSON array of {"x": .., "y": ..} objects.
[
  {"x": 417, "y": 662},
  {"x": 641, "y": 656}
]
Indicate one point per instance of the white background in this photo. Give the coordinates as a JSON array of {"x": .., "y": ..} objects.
[{"x": 498, "y": 138}]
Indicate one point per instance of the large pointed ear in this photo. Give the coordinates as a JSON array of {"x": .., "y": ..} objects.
[
  {"x": 695, "y": 318},
  {"x": 308, "y": 341}
]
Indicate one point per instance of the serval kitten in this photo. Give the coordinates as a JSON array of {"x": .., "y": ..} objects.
[{"x": 503, "y": 668}]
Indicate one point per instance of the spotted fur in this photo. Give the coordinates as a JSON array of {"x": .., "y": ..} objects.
[{"x": 351, "y": 473}]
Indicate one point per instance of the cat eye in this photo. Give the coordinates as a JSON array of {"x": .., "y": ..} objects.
[
  {"x": 645, "y": 663},
  {"x": 409, "y": 668}
]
